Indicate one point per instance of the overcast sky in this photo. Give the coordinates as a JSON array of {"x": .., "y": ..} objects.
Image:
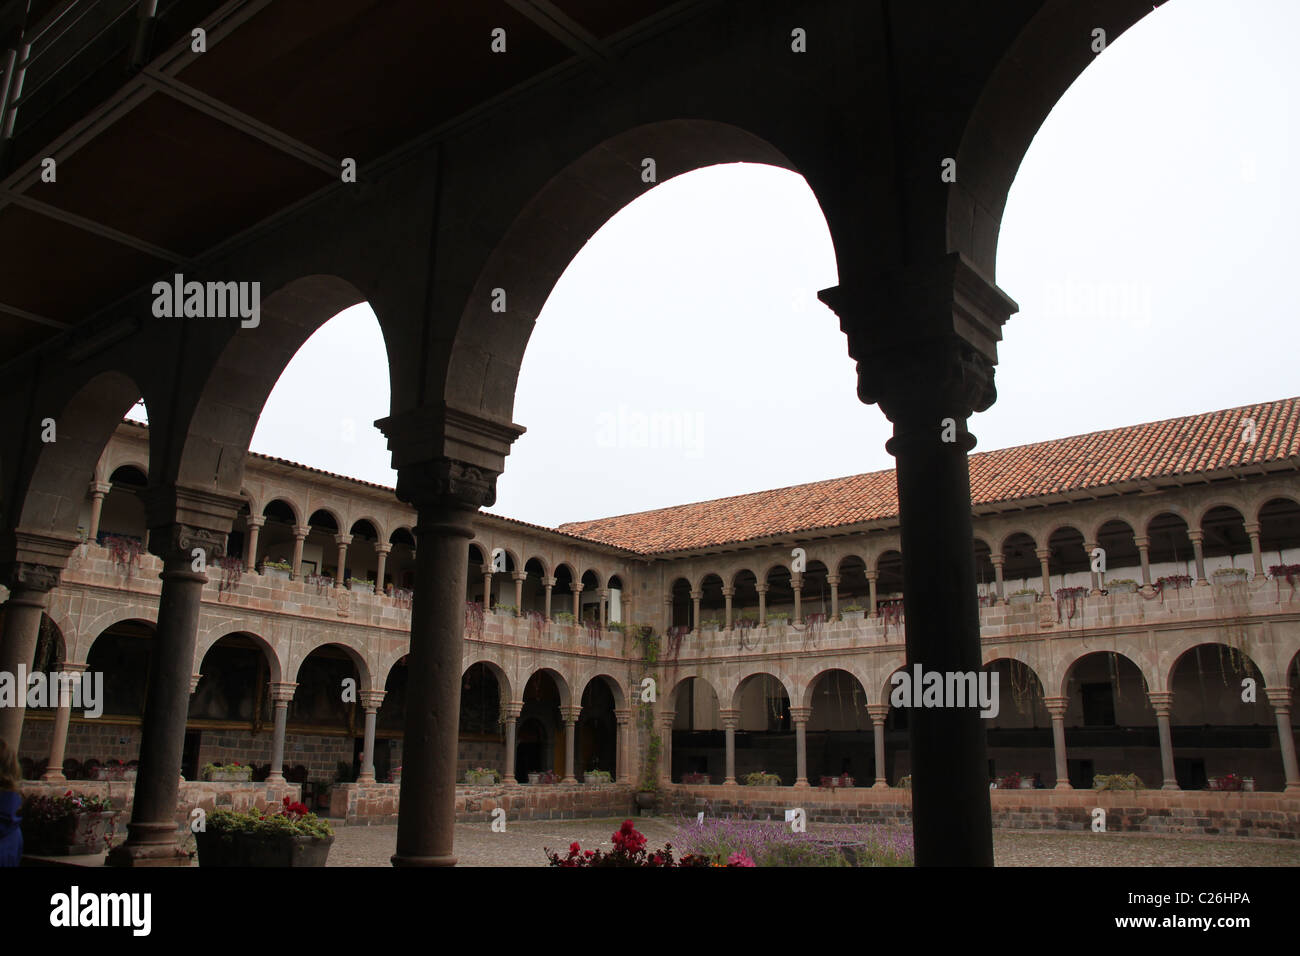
[{"x": 684, "y": 356}]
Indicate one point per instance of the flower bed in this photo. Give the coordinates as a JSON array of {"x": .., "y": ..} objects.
[
  {"x": 289, "y": 835},
  {"x": 769, "y": 843},
  {"x": 70, "y": 825},
  {"x": 761, "y": 778},
  {"x": 227, "y": 772},
  {"x": 630, "y": 850}
]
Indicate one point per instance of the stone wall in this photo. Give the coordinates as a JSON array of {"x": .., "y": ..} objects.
[
  {"x": 1270, "y": 815},
  {"x": 376, "y": 804},
  {"x": 208, "y": 796}
]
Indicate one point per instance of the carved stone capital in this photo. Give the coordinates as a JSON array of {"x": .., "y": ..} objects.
[
  {"x": 180, "y": 541},
  {"x": 255, "y": 521},
  {"x": 32, "y": 577},
  {"x": 1057, "y": 706},
  {"x": 181, "y": 519},
  {"x": 342, "y": 540},
  {"x": 371, "y": 699},
  {"x": 800, "y": 715},
  {"x": 34, "y": 560},
  {"x": 571, "y": 713},
  {"x": 383, "y": 548},
  {"x": 514, "y": 709},
  {"x": 879, "y": 712},
  {"x": 282, "y": 691},
  {"x": 447, "y": 482},
  {"x": 730, "y": 717},
  {"x": 1162, "y": 702}
]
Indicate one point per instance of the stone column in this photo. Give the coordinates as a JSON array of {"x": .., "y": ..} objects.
[
  {"x": 800, "y": 717},
  {"x": 1163, "y": 702},
  {"x": 924, "y": 339},
  {"x": 998, "y": 561},
  {"x": 796, "y": 583},
  {"x": 519, "y": 578},
  {"x": 762, "y": 605},
  {"x": 622, "y": 765},
  {"x": 513, "y": 710},
  {"x": 1144, "y": 551},
  {"x": 879, "y": 714},
  {"x": 1057, "y": 706},
  {"x": 695, "y": 604},
  {"x": 548, "y": 584},
  {"x": 300, "y": 533},
  {"x": 1256, "y": 556},
  {"x": 151, "y": 837},
  {"x": 29, "y": 587},
  {"x": 1198, "y": 550},
  {"x": 446, "y": 494},
  {"x": 342, "y": 540},
  {"x": 666, "y": 719},
  {"x": 730, "y": 722},
  {"x": 371, "y": 701},
  {"x": 728, "y": 593},
  {"x": 577, "y": 600},
  {"x": 98, "y": 489},
  {"x": 570, "y": 715},
  {"x": 255, "y": 523},
  {"x": 487, "y": 587},
  {"x": 59, "y": 738},
  {"x": 1093, "y": 586},
  {"x": 381, "y": 565},
  {"x": 871, "y": 592},
  {"x": 834, "y": 581},
  {"x": 1044, "y": 556},
  {"x": 668, "y": 613},
  {"x": 603, "y": 594},
  {"x": 1280, "y": 699},
  {"x": 281, "y": 696}
]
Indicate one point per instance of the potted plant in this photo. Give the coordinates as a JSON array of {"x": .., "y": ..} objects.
[
  {"x": 1248, "y": 784},
  {"x": 1229, "y": 781},
  {"x": 761, "y": 778},
  {"x": 1121, "y": 586},
  {"x": 234, "y": 772},
  {"x": 1011, "y": 781},
  {"x": 280, "y": 570},
  {"x": 113, "y": 770},
  {"x": 1117, "y": 781},
  {"x": 361, "y": 585},
  {"x": 852, "y": 612},
  {"x": 482, "y": 777},
  {"x": 777, "y": 620},
  {"x": 905, "y": 782},
  {"x": 396, "y": 775},
  {"x": 509, "y": 610},
  {"x": 696, "y": 778},
  {"x": 288, "y": 835},
  {"x": 710, "y": 624},
  {"x": 71, "y": 825},
  {"x": 833, "y": 783},
  {"x": 563, "y": 617},
  {"x": 1229, "y": 575},
  {"x": 597, "y": 776},
  {"x": 1023, "y": 596},
  {"x": 543, "y": 778}
]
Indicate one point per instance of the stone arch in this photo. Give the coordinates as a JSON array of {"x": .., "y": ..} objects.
[
  {"x": 331, "y": 512},
  {"x": 116, "y": 615},
  {"x": 541, "y": 562},
  {"x": 583, "y": 192},
  {"x": 210, "y": 638},
  {"x": 846, "y": 667},
  {"x": 376, "y": 525},
  {"x": 561, "y": 683},
  {"x": 294, "y": 507},
  {"x": 497, "y": 671},
  {"x": 1152, "y": 681},
  {"x": 680, "y": 682},
  {"x": 787, "y": 682},
  {"x": 52, "y": 477},
  {"x": 1264, "y": 677},
  {"x": 365, "y": 679}
]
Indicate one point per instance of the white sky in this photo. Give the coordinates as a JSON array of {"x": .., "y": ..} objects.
[{"x": 1160, "y": 180}]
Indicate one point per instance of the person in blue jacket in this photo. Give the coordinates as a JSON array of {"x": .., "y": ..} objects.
[{"x": 11, "y": 799}]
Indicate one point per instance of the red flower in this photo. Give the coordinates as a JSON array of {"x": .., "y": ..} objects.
[{"x": 575, "y": 847}]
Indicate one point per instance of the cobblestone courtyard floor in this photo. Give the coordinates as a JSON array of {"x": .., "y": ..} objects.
[{"x": 522, "y": 845}]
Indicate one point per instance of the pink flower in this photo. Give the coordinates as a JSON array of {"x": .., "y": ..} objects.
[{"x": 740, "y": 858}]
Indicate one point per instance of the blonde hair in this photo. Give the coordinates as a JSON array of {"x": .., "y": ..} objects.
[{"x": 10, "y": 773}]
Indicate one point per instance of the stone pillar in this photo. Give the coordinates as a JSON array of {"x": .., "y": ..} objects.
[
  {"x": 300, "y": 533},
  {"x": 151, "y": 837},
  {"x": 800, "y": 717},
  {"x": 59, "y": 738},
  {"x": 1094, "y": 587},
  {"x": 1057, "y": 706},
  {"x": 666, "y": 719},
  {"x": 622, "y": 765},
  {"x": 98, "y": 489},
  {"x": 513, "y": 710},
  {"x": 834, "y": 581},
  {"x": 998, "y": 561},
  {"x": 1044, "y": 556},
  {"x": 1144, "y": 551},
  {"x": 925, "y": 342},
  {"x": 570, "y": 715},
  {"x": 730, "y": 721},
  {"x": 695, "y": 605},
  {"x": 519, "y": 578},
  {"x": 548, "y": 584},
  {"x": 796, "y": 583},
  {"x": 381, "y": 565},
  {"x": 728, "y": 593},
  {"x": 487, "y": 587},
  {"x": 446, "y": 494},
  {"x": 871, "y": 592},
  {"x": 255, "y": 523},
  {"x": 1163, "y": 702},
  {"x": 879, "y": 714},
  {"x": 29, "y": 587},
  {"x": 1198, "y": 549},
  {"x": 577, "y": 601},
  {"x": 1280, "y": 698},
  {"x": 371, "y": 701},
  {"x": 668, "y": 613},
  {"x": 342, "y": 540},
  {"x": 1256, "y": 556},
  {"x": 762, "y": 605},
  {"x": 281, "y": 695},
  {"x": 603, "y": 594}
]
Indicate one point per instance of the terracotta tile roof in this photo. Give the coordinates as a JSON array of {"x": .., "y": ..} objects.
[{"x": 1149, "y": 452}]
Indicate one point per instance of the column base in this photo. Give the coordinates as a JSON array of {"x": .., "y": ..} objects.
[
  {"x": 58, "y": 777},
  {"x": 366, "y": 777},
  {"x": 149, "y": 844},
  {"x": 275, "y": 776},
  {"x": 1064, "y": 785},
  {"x": 399, "y": 860},
  {"x": 802, "y": 784},
  {"x": 729, "y": 782},
  {"x": 1292, "y": 787},
  {"x": 1170, "y": 785},
  {"x": 569, "y": 780},
  {"x": 880, "y": 784}
]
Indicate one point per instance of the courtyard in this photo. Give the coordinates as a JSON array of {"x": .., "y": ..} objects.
[{"x": 523, "y": 844}]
